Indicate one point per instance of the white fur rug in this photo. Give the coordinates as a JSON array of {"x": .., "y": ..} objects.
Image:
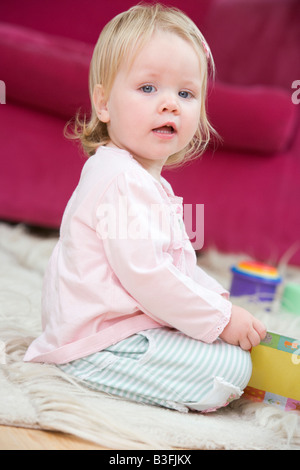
[{"x": 41, "y": 396}]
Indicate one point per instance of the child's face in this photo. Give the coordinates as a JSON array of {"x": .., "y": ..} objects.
[{"x": 153, "y": 109}]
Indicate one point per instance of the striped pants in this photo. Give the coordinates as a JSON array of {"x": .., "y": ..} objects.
[{"x": 166, "y": 368}]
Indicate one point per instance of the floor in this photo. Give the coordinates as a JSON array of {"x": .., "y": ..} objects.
[{"x": 12, "y": 438}]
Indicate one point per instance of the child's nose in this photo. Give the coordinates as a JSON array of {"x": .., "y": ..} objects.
[{"x": 169, "y": 103}]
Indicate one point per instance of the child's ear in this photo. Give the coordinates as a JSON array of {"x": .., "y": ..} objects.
[{"x": 100, "y": 104}]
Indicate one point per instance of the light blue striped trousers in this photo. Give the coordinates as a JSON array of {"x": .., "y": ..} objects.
[{"x": 166, "y": 368}]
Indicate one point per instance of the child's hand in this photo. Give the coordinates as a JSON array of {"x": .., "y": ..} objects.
[{"x": 243, "y": 329}]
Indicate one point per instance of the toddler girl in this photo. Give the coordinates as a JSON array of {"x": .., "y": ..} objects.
[{"x": 125, "y": 308}]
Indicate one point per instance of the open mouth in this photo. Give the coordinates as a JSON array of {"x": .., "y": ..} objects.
[{"x": 167, "y": 129}]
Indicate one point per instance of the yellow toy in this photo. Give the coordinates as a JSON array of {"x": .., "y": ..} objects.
[{"x": 276, "y": 372}]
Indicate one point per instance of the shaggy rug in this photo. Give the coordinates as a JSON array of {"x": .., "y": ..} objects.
[{"x": 41, "y": 396}]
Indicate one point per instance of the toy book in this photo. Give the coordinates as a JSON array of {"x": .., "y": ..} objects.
[{"x": 275, "y": 375}]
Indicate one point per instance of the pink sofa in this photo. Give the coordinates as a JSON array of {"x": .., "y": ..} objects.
[{"x": 249, "y": 184}]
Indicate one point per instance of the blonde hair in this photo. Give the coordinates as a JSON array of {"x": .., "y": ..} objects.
[{"x": 123, "y": 37}]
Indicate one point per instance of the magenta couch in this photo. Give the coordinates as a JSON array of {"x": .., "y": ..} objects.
[{"x": 249, "y": 184}]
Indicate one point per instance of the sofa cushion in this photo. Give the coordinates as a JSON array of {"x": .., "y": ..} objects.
[
  {"x": 42, "y": 71},
  {"x": 255, "y": 41},
  {"x": 40, "y": 168},
  {"x": 253, "y": 118},
  {"x": 68, "y": 18}
]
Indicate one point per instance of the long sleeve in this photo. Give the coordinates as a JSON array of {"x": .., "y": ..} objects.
[{"x": 201, "y": 277}]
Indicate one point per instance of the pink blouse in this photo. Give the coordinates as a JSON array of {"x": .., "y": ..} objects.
[{"x": 123, "y": 264}]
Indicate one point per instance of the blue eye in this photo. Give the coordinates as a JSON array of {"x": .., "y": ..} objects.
[
  {"x": 185, "y": 94},
  {"x": 148, "y": 88}
]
